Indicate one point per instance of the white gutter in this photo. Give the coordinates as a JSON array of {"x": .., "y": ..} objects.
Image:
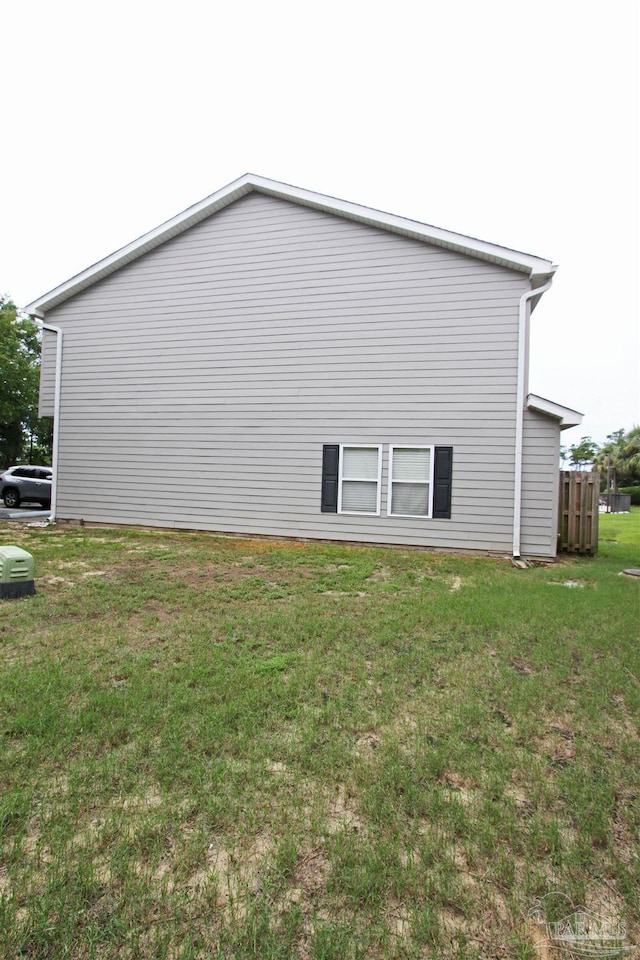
[
  {"x": 520, "y": 405},
  {"x": 56, "y": 415}
]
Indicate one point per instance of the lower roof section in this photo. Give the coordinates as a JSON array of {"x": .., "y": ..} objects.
[{"x": 564, "y": 415}]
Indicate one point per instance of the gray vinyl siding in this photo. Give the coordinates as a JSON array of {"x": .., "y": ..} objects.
[
  {"x": 201, "y": 381},
  {"x": 540, "y": 479}
]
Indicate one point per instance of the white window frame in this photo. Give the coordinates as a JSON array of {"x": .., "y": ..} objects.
[
  {"x": 412, "y": 446},
  {"x": 365, "y": 446}
]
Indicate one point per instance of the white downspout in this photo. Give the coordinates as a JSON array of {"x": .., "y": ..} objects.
[
  {"x": 520, "y": 399},
  {"x": 56, "y": 416}
]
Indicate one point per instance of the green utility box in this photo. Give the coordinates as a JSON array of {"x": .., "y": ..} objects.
[{"x": 16, "y": 573}]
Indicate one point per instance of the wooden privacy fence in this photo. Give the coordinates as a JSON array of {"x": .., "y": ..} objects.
[{"x": 578, "y": 511}]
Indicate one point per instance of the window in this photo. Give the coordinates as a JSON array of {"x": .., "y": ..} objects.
[
  {"x": 410, "y": 481},
  {"x": 420, "y": 480},
  {"x": 359, "y": 479}
]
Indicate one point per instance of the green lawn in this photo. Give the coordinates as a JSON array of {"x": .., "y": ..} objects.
[{"x": 221, "y": 748}]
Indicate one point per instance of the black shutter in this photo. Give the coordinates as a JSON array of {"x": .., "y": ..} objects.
[
  {"x": 442, "y": 474},
  {"x": 330, "y": 456}
]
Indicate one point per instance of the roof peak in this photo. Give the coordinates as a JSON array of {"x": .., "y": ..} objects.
[{"x": 536, "y": 268}]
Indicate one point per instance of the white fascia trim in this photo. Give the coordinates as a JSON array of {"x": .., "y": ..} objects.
[
  {"x": 524, "y": 262},
  {"x": 566, "y": 416},
  {"x": 536, "y": 268},
  {"x": 137, "y": 248}
]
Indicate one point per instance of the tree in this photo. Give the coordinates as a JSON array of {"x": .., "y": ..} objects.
[
  {"x": 23, "y": 435},
  {"x": 580, "y": 454},
  {"x": 619, "y": 458}
]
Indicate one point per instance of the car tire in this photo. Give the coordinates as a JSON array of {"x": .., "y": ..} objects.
[{"x": 11, "y": 499}]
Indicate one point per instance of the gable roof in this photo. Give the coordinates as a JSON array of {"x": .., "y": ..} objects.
[{"x": 537, "y": 269}]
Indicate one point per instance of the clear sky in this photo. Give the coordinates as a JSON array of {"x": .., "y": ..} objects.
[{"x": 515, "y": 122}]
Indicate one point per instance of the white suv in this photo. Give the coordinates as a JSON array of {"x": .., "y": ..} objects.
[{"x": 18, "y": 484}]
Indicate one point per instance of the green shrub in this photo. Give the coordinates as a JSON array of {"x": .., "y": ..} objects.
[{"x": 635, "y": 494}]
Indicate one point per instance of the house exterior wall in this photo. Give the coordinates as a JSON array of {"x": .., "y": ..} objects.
[
  {"x": 201, "y": 381},
  {"x": 540, "y": 481}
]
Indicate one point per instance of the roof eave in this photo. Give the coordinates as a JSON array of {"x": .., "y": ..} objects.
[
  {"x": 537, "y": 269},
  {"x": 565, "y": 416}
]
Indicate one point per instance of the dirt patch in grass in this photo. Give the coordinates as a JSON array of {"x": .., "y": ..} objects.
[
  {"x": 53, "y": 581},
  {"x": 233, "y": 873},
  {"x": 366, "y": 744},
  {"x": 311, "y": 871},
  {"x": 382, "y": 574},
  {"x": 343, "y": 814},
  {"x": 521, "y": 666},
  {"x": 148, "y": 801}
]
